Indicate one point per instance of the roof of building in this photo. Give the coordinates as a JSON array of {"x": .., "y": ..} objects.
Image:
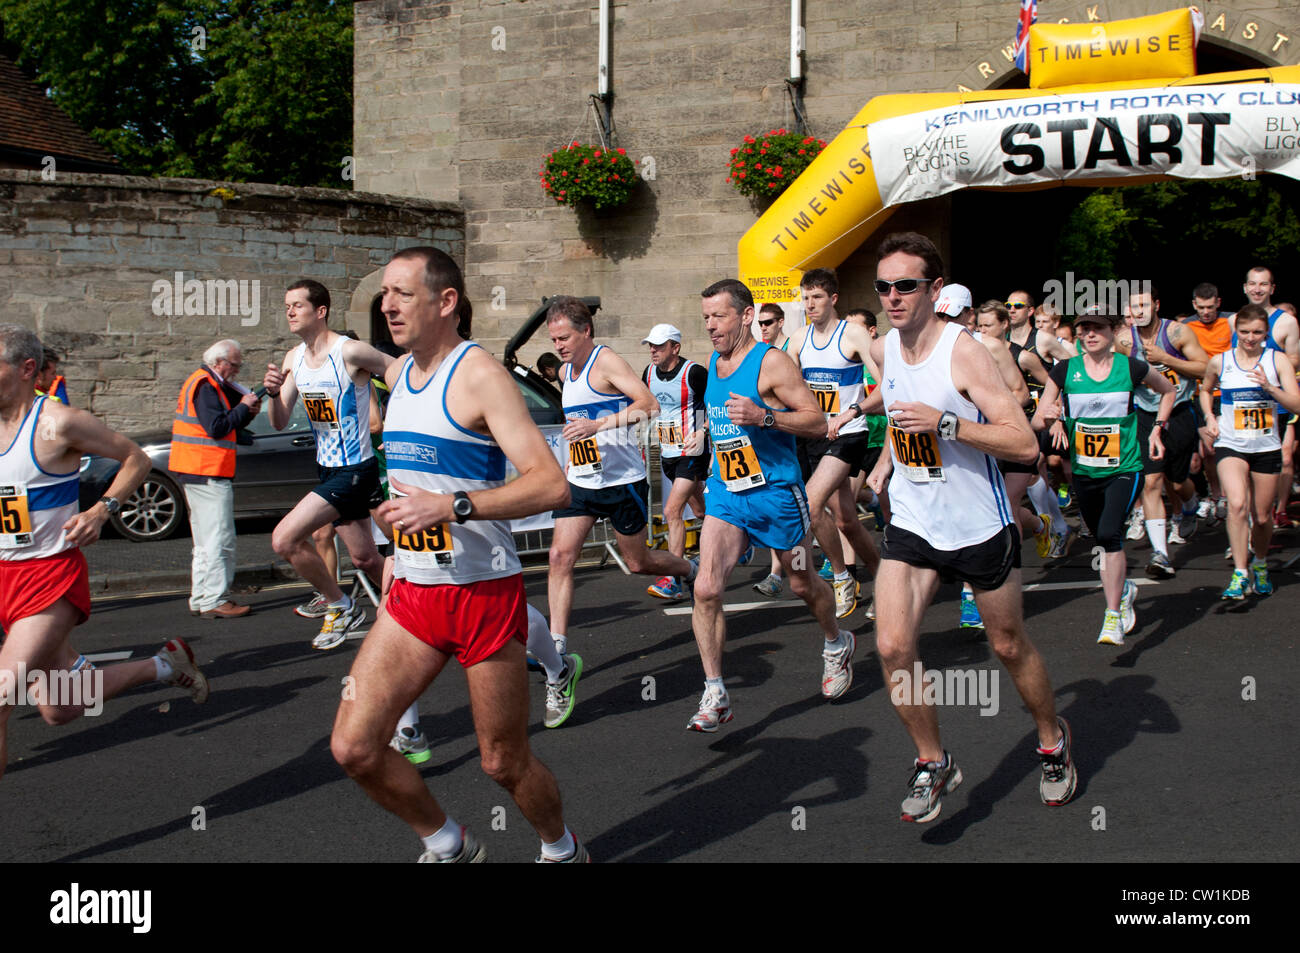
[{"x": 32, "y": 125}]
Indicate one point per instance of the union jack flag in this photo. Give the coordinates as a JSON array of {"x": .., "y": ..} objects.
[{"x": 1028, "y": 17}]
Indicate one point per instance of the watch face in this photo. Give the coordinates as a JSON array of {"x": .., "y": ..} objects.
[{"x": 462, "y": 506}]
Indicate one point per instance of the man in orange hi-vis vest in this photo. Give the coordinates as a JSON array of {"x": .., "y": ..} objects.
[{"x": 208, "y": 412}]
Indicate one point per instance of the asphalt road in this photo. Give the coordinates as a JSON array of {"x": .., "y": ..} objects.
[{"x": 1176, "y": 764}]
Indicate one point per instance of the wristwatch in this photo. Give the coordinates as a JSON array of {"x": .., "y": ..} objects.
[
  {"x": 1162, "y": 424},
  {"x": 111, "y": 504},
  {"x": 769, "y": 420},
  {"x": 461, "y": 506},
  {"x": 948, "y": 425},
  {"x": 856, "y": 406}
]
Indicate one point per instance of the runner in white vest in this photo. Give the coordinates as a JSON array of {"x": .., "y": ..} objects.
[
  {"x": 950, "y": 417},
  {"x": 605, "y": 405}
]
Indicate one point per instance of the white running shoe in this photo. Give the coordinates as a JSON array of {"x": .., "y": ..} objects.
[
  {"x": 715, "y": 710},
  {"x": 1112, "y": 629},
  {"x": 1136, "y": 529},
  {"x": 837, "y": 666},
  {"x": 471, "y": 852},
  {"x": 338, "y": 624},
  {"x": 846, "y": 597},
  {"x": 185, "y": 671},
  {"x": 1127, "y": 614}
]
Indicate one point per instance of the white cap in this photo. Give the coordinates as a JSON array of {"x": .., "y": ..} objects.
[
  {"x": 662, "y": 334},
  {"x": 953, "y": 300}
]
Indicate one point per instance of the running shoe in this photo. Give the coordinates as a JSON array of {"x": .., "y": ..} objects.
[
  {"x": 1063, "y": 496},
  {"x": 970, "y": 613},
  {"x": 930, "y": 782},
  {"x": 471, "y": 852},
  {"x": 1061, "y": 543},
  {"x": 1238, "y": 586},
  {"x": 1205, "y": 510},
  {"x": 1221, "y": 509},
  {"x": 747, "y": 556},
  {"x": 826, "y": 572},
  {"x": 562, "y": 695},
  {"x": 580, "y": 856},
  {"x": 715, "y": 710},
  {"x": 1186, "y": 524},
  {"x": 1043, "y": 538},
  {"x": 1263, "y": 585},
  {"x": 185, "y": 671},
  {"x": 837, "y": 666},
  {"x": 1136, "y": 529},
  {"x": 871, "y": 609},
  {"x": 338, "y": 624},
  {"x": 878, "y": 515},
  {"x": 1112, "y": 629},
  {"x": 1084, "y": 532},
  {"x": 667, "y": 587},
  {"x": 411, "y": 744},
  {"x": 846, "y": 597},
  {"x": 770, "y": 586},
  {"x": 313, "y": 609},
  {"x": 1174, "y": 536},
  {"x": 1060, "y": 778},
  {"x": 1281, "y": 520},
  {"x": 1159, "y": 567},
  {"x": 1127, "y": 614}
]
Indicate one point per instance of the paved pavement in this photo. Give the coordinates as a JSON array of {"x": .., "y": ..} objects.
[{"x": 1177, "y": 737}]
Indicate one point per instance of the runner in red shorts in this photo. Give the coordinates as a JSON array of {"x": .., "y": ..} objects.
[
  {"x": 454, "y": 420},
  {"x": 44, "y": 589}
]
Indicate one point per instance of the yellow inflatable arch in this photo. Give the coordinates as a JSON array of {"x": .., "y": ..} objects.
[{"x": 903, "y": 148}]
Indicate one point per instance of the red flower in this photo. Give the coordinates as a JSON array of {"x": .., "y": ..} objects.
[
  {"x": 749, "y": 139},
  {"x": 597, "y": 153},
  {"x": 740, "y": 175},
  {"x": 622, "y": 152},
  {"x": 734, "y": 151}
]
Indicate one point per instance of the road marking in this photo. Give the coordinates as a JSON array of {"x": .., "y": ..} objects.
[
  {"x": 1085, "y": 584},
  {"x": 740, "y": 606},
  {"x": 108, "y": 656}
]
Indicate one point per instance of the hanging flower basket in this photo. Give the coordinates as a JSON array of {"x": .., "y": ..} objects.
[
  {"x": 578, "y": 173},
  {"x": 764, "y": 166}
]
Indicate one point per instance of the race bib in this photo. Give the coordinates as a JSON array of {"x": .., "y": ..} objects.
[
  {"x": 430, "y": 549},
  {"x": 738, "y": 464},
  {"x": 320, "y": 409},
  {"x": 1096, "y": 445},
  {"x": 584, "y": 457},
  {"x": 670, "y": 435},
  {"x": 828, "y": 396},
  {"x": 15, "y": 520},
  {"x": 1253, "y": 418},
  {"x": 1168, "y": 375},
  {"x": 917, "y": 456}
]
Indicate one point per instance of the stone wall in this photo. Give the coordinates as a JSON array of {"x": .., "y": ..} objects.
[
  {"x": 460, "y": 100},
  {"x": 82, "y": 258}
]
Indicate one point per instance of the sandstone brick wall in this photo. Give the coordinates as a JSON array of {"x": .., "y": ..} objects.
[
  {"x": 460, "y": 100},
  {"x": 79, "y": 258}
]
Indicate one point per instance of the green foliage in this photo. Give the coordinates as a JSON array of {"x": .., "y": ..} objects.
[
  {"x": 579, "y": 173},
  {"x": 765, "y": 166},
  {"x": 247, "y": 90}
]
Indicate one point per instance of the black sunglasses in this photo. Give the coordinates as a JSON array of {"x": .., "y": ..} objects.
[
  {"x": 904, "y": 286},
  {"x": 768, "y": 323}
]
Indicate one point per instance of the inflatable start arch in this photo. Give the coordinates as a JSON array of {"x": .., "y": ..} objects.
[{"x": 903, "y": 148}]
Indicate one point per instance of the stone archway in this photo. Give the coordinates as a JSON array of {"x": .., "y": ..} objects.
[
  {"x": 359, "y": 307},
  {"x": 1248, "y": 35}
]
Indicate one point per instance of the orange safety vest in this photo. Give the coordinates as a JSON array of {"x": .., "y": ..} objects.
[{"x": 193, "y": 450}]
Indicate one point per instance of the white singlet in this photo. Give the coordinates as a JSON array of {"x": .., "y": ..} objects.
[
  {"x": 943, "y": 491},
  {"x": 1248, "y": 417},
  {"x": 34, "y": 503},
  {"x": 338, "y": 408},
  {"x": 425, "y": 448},
  {"x": 611, "y": 457},
  {"x": 835, "y": 381}
]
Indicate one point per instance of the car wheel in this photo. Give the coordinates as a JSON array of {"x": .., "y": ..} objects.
[{"x": 155, "y": 511}]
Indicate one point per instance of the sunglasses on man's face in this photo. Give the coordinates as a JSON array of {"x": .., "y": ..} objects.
[
  {"x": 904, "y": 286},
  {"x": 1016, "y": 305},
  {"x": 768, "y": 323}
]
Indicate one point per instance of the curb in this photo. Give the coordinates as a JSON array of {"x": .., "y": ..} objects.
[{"x": 262, "y": 574}]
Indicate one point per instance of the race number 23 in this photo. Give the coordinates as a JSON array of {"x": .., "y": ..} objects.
[{"x": 738, "y": 464}]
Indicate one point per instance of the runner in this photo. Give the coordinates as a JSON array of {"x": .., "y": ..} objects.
[
  {"x": 771, "y": 329},
  {"x": 757, "y": 405},
  {"x": 1283, "y": 335},
  {"x": 1248, "y": 441},
  {"x": 678, "y": 385},
  {"x": 454, "y": 419},
  {"x": 1088, "y": 405},
  {"x": 44, "y": 582},
  {"x": 1213, "y": 331},
  {"x": 951, "y": 518},
  {"x": 604, "y": 403},
  {"x": 1171, "y": 349},
  {"x": 332, "y": 373},
  {"x": 833, "y": 356}
]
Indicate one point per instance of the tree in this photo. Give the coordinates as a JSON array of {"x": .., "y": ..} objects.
[{"x": 246, "y": 90}]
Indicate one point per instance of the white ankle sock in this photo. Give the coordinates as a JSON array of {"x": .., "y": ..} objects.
[{"x": 446, "y": 841}]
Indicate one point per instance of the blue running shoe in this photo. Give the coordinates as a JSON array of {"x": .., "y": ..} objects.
[
  {"x": 826, "y": 572},
  {"x": 747, "y": 557},
  {"x": 667, "y": 587},
  {"x": 970, "y": 613},
  {"x": 1063, "y": 496},
  {"x": 1263, "y": 585},
  {"x": 1237, "y": 587}
]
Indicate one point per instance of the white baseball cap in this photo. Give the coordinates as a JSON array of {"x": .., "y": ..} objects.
[
  {"x": 662, "y": 334},
  {"x": 953, "y": 300}
]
